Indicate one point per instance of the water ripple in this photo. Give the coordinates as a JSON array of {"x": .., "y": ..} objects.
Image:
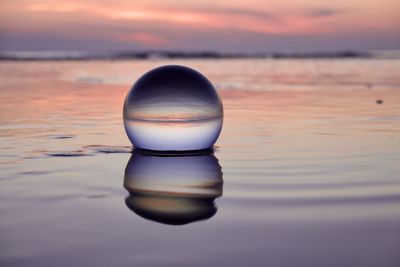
[{"x": 108, "y": 149}]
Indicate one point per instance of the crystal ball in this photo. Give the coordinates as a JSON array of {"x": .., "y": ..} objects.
[{"x": 173, "y": 108}]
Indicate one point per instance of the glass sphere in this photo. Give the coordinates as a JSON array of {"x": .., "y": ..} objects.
[{"x": 173, "y": 108}]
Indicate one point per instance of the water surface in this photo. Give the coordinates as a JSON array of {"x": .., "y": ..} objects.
[{"x": 309, "y": 160}]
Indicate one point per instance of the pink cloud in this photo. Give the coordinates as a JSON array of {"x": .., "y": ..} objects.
[{"x": 148, "y": 39}]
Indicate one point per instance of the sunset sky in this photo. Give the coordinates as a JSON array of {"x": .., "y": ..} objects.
[{"x": 208, "y": 25}]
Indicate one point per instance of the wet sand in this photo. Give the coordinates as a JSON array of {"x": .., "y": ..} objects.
[{"x": 309, "y": 161}]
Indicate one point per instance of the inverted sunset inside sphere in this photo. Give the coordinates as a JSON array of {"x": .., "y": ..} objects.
[{"x": 173, "y": 108}]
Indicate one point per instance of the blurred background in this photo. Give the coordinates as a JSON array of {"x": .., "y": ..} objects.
[{"x": 219, "y": 26}]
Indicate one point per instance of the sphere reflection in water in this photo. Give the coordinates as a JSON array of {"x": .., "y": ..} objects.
[
  {"x": 173, "y": 108},
  {"x": 173, "y": 190}
]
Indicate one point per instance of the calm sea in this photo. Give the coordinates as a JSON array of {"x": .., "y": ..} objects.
[{"x": 306, "y": 171}]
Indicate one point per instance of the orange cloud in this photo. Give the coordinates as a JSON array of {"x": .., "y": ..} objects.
[
  {"x": 55, "y": 7},
  {"x": 243, "y": 20},
  {"x": 160, "y": 15}
]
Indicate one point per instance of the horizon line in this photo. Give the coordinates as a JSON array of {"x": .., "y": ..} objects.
[{"x": 176, "y": 54}]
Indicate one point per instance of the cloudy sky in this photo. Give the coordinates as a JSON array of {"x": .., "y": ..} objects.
[{"x": 207, "y": 25}]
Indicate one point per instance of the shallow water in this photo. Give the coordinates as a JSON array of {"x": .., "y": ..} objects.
[{"x": 310, "y": 165}]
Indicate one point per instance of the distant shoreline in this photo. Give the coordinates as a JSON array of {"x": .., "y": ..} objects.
[{"x": 65, "y": 56}]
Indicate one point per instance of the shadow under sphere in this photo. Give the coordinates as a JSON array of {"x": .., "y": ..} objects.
[{"x": 173, "y": 190}]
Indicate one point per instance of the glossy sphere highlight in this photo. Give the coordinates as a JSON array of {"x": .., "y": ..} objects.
[{"x": 173, "y": 108}]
